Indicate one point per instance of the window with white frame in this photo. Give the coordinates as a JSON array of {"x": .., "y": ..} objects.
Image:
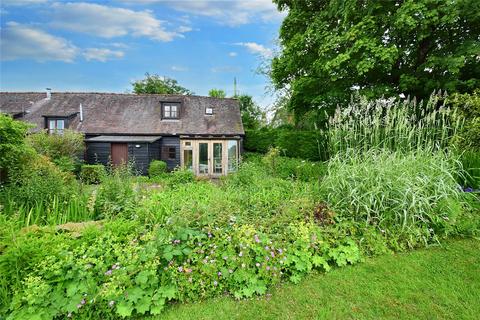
[
  {"x": 56, "y": 126},
  {"x": 170, "y": 111}
]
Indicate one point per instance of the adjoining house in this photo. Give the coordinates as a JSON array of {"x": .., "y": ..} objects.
[{"x": 202, "y": 134}]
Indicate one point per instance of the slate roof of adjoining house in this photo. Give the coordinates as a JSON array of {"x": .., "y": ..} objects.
[{"x": 127, "y": 114}]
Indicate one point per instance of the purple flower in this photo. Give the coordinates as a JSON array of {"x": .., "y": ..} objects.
[
  {"x": 267, "y": 267},
  {"x": 468, "y": 189},
  {"x": 209, "y": 235},
  {"x": 180, "y": 269},
  {"x": 187, "y": 270},
  {"x": 83, "y": 302},
  {"x": 219, "y": 274},
  {"x": 272, "y": 254},
  {"x": 267, "y": 258},
  {"x": 111, "y": 303},
  {"x": 257, "y": 240},
  {"x": 280, "y": 251},
  {"x": 108, "y": 273},
  {"x": 267, "y": 248}
]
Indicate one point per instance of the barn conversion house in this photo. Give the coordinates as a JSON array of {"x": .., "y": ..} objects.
[{"x": 202, "y": 134}]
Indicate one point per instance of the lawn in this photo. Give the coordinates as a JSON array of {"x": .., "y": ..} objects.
[{"x": 434, "y": 283}]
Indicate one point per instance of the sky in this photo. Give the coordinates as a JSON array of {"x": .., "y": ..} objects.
[{"x": 103, "y": 46}]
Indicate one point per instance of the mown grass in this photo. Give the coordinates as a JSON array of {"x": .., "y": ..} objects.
[{"x": 434, "y": 283}]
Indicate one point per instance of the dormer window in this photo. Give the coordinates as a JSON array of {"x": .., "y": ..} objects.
[
  {"x": 170, "y": 110},
  {"x": 56, "y": 126}
]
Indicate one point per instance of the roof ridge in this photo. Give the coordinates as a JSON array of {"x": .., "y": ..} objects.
[{"x": 116, "y": 93}]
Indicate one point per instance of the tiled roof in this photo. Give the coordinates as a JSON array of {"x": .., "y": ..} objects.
[{"x": 127, "y": 114}]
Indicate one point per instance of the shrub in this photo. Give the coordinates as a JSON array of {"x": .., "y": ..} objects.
[
  {"x": 180, "y": 176},
  {"x": 309, "y": 145},
  {"x": 92, "y": 173},
  {"x": 157, "y": 168},
  {"x": 115, "y": 195},
  {"x": 13, "y": 150},
  {"x": 469, "y": 107},
  {"x": 38, "y": 181},
  {"x": 392, "y": 190},
  {"x": 64, "y": 149},
  {"x": 259, "y": 140}
]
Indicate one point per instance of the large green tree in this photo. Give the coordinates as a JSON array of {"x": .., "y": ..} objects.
[
  {"x": 153, "y": 83},
  {"x": 380, "y": 48},
  {"x": 217, "y": 93},
  {"x": 252, "y": 115}
]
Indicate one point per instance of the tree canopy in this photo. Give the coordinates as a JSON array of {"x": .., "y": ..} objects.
[
  {"x": 160, "y": 85},
  {"x": 380, "y": 48},
  {"x": 252, "y": 115},
  {"x": 217, "y": 93}
]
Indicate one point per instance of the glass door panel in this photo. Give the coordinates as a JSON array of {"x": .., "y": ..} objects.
[
  {"x": 203, "y": 158},
  {"x": 188, "y": 159},
  {"x": 217, "y": 158},
  {"x": 232, "y": 156}
]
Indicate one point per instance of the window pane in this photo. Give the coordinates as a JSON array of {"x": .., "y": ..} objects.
[
  {"x": 172, "y": 153},
  {"x": 60, "y": 124},
  {"x": 232, "y": 156},
  {"x": 203, "y": 158},
  {"x": 51, "y": 124},
  {"x": 187, "y": 159},
  {"x": 166, "y": 111},
  {"x": 217, "y": 157},
  {"x": 174, "y": 112}
]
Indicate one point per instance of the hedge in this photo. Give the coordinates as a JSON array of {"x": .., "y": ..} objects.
[{"x": 310, "y": 145}]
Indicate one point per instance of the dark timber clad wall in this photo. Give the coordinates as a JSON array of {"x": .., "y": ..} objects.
[
  {"x": 139, "y": 156},
  {"x": 171, "y": 142},
  {"x": 98, "y": 152}
]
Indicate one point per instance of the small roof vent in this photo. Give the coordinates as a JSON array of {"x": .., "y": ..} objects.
[{"x": 209, "y": 110}]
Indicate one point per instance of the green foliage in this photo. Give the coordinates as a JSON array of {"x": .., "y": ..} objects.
[
  {"x": 409, "y": 192},
  {"x": 217, "y": 93},
  {"x": 13, "y": 150},
  {"x": 310, "y": 145},
  {"x": 180, "y": 176},
  {"x": 468, "y": 106},
  {"x": 252, "y": 115},
  {"x": 383, "y": 49},
  {"x": 159, "y": 85},
  {"x": 115, "y": 195},
  {"x": 92, "y": 173},
  {"x": 126, "y": 275},
  {"x": 470, "y": 172},
  {"x": 157, "y": 168},
  {"x": 392, "y": 125},
  {"x": 65, "y": 150}
]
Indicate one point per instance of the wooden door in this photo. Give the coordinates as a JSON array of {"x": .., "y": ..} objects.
[{"x": 119, "y": 153}]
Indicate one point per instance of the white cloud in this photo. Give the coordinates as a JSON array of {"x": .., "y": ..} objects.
[
  {"x": 229, "y": 12},
  {"x": 179, "y": 68},
  {"x": 109, "y": 22},
  {"x": 101, "y": 54},
  {"x": 19, "y": 41},
  {"x": 232, "y": 54},
  {"x": 256, "y": 48}
]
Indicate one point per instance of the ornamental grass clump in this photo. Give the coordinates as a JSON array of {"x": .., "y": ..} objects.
[
  {"x": 393, "y": 125},
  {"x": 393, "y": 190}
]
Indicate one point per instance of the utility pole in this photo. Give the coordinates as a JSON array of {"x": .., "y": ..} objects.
[{"x": 234, "y": 86}]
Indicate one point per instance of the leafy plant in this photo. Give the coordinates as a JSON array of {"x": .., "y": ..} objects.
[
  {"x": 92, "y": 173},
  {"x": 157, "y": 168}
]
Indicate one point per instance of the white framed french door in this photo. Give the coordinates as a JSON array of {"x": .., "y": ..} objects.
[{"x": 210, "y": 158}]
